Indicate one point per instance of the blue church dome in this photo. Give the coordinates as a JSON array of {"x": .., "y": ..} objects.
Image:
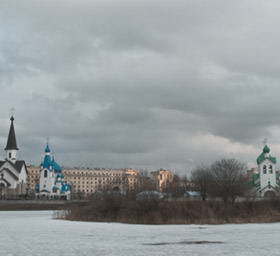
[
  {"x": 56, "y": 166},
  {"x": 59, "y": 176},
  {"x": 65, "y": 187},
  {"x": 47, "y": 162}
]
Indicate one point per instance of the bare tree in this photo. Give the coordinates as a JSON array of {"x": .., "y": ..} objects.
[
  {"x": 228, "y": 179},
  {"x": 201, "y": 178},
  {"x": 185, "y": 183},
  {"x": 176, "y": 187}
]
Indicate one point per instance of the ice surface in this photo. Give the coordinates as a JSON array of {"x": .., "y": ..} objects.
[{"x": 37, "y": 233}]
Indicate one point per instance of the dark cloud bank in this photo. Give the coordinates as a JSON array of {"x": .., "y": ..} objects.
[{"x": 143, "y": 84}]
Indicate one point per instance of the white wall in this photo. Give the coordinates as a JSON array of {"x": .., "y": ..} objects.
[
  {"x": 268, "y": 177},
  {"x": 47, "y": 183}
]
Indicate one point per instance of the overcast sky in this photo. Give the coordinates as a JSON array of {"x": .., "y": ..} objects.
[{"x": 142, "y": 84}]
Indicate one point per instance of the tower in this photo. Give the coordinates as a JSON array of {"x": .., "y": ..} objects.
[
  {"x": 47, "y": 178},
  {"x": 11, "y": 147},
  {"x": 268, "y": 185}
]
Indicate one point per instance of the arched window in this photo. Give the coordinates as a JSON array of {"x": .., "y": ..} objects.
[
  {"x": 45, "y": 174},
  {"x": 270, "y": 169},
  {"x": 10, "y": 155},
  {"x": 264, "y": 169}
]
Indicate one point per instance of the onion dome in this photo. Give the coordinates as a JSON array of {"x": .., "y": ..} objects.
[
  {"x": 59, "y": 176},
  {"x": 264, "y": 156},
  {"x": 65, "y": 187},
  {"x": 266, "y": 149},
  {"x": 47, "y": 162}
]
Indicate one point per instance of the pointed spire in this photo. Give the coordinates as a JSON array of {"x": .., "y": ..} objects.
[
  {"x": 12, "y": 142},
  {"x": 47, "y": 149}
]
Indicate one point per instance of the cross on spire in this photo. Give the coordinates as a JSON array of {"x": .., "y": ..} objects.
[
  {"x": 12, "y": 111},
  {"x": 265, "y": 141}
]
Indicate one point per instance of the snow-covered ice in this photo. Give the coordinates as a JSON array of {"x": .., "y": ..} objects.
[{"x": 37, "y": 233}]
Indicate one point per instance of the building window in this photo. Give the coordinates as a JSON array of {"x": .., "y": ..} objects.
[
  {"x": 10, "y": 155},
  {"x": 264, "y": 169},
  {"x": 45, "y": 174},
  {"x": 270, "y": 169}
]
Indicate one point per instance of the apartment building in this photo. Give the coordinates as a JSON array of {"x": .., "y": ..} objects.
[
  {"x": 88, "y": 181},
  {"x": 162, "y": 178},
  {"x": 33, "y": 177}
]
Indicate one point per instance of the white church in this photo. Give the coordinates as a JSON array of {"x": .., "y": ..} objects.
[
  {"x": 13, "y": 172},
  {"x": 52, "y": 184},
  {"x": 266, "y": 179}
]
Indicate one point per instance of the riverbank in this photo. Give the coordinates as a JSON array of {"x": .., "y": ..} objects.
[
  {"x": 124, "y": 210},
  {"x": 38, "y": 205}
]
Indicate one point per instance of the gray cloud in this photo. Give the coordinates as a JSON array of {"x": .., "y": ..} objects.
[{"x": 142, "y": 84}]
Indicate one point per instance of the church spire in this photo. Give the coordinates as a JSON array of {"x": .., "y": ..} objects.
[
  {"x": 11, "y": 148},
  {"x": 12, "y": 142}
]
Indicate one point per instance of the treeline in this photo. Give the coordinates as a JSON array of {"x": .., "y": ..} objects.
[{"x": 225, "y": 179}]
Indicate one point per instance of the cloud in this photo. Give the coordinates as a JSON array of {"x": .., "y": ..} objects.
[{"x": 144, "y": 84}]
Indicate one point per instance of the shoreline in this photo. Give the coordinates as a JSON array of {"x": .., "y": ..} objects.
[
  {"x": 156, "y": 212},
  {"x": 153, "y": 212},
  {"x": 37, "y": 205},
  {"x": 174, "y": 224}
]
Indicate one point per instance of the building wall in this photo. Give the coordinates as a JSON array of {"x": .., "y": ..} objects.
[
  {"x": 90, "y": 180},
  {"x": 269, "y": 176},
  {"x": 133, "y": 179},
  {"x": 47, "y": 183},
  {"x": 33, "y": 176},
  {"x": 162, "y": 178}
]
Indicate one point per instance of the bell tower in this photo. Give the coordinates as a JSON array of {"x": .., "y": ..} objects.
[{"x": 267, "y": 170}]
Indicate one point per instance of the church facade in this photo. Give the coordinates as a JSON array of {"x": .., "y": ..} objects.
[
  {"x": 266, "y": 180},
  {"x": 13, "y": 172},
  {"x": 52, "y": 184}
]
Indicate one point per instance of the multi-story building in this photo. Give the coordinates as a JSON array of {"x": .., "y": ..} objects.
[
  {"x": 133, "y": 179},
  {"x": 162, "y": 178},
  {"x": 33, "y": 177},
  {"x": 88, "y": 181}
]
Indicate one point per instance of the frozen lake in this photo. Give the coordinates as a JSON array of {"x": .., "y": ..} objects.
[{"x": 36, "y": 233}]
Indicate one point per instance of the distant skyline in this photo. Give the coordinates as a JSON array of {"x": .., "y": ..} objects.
[{"x": 140, "y": 84}]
